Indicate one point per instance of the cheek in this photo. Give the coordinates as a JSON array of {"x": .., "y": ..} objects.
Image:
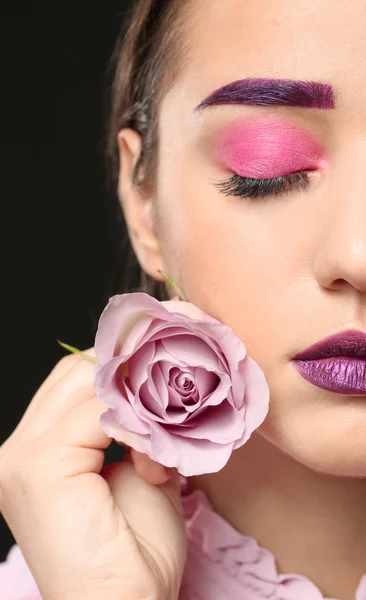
[
  {"x": 308, "y": 425},
  {"x": 221, "y": 252}
]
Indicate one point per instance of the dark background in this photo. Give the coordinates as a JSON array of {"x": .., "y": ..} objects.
[{"x": 60, "y": 234}]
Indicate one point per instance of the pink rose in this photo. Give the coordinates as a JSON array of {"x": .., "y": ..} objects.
[{"x": 178, "y": 383}]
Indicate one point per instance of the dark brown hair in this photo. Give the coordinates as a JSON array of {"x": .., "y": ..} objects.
[{"x": 150, "y": 46}]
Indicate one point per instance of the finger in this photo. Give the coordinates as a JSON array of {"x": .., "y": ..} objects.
[
  {"x": 64, "y": 365},
  {"x": 152, "y": 512},
  {"x": 58, "y": 372},
  {"x": 30, "y": 414},
  {"x": 78, "y": 440},
  {"x": 151, "y": 471},
  {"x": 138, "y": 500},
  {"x": 72, "y": 390}
]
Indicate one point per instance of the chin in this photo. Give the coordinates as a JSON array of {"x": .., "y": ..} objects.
[
  {"x": 321, "y": 430},
  {"x": 336, "y": 451}
]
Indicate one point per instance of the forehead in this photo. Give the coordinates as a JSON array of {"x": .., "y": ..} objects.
[{"x": 303, "y": 40}]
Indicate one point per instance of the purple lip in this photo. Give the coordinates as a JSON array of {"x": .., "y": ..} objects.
[
  {"x": 347, "y": 343},
  {"x": 337, "y": 363}
]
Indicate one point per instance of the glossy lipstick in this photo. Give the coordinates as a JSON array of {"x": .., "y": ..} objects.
[{"x": 337, "y": 363}]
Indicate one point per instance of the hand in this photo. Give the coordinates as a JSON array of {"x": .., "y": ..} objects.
[{"x": 88, "y": 531}]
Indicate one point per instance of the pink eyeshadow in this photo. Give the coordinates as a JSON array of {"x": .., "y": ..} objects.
[{"x": 267, "y": 147}]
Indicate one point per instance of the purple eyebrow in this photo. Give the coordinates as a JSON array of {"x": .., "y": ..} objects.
[{"x": 273, "y": 92}]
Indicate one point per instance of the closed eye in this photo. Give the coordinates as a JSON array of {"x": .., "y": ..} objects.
[{"x": 248, "y": 187}]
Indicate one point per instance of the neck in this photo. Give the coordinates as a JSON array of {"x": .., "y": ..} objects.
[{"x": 314, "y": 524}]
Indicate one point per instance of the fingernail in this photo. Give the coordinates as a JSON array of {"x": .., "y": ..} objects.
[{"x": 168, "y": 471}]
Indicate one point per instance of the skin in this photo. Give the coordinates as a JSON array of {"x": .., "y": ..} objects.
[{"x": 283, "y": 273}]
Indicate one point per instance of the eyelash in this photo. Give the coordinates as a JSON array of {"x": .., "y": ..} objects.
[{"x": 248, "y": 187}]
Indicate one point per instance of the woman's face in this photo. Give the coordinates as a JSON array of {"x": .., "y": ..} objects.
[{"x": 283, "y": 271}]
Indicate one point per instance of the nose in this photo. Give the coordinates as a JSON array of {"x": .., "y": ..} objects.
[{"x": 340, "y": 261}]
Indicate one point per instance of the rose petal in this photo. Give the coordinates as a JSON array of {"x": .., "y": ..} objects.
[
  {"x": 182, "y": 381},
  {"x": 187, "y": 309},
  {"x": 105, "y": 380},
  {"x": 179, "y": 380},
  {"x": 157, "y": 383},
  {"x": 145, "y": 404},
  {"x": 191, "y": 350},
  {"x": 135, "y": 339},
  {"x": 257, "y": 396},
  {"x": 166, "y": 366},
  {"x": 157, "y": 324},
  {"x": 206, "y": 381},
  {"x": 238, "y": 386},
  {"x": 231, "y": 346},
  {"x": 187, "y": 327},
  {"x": 163, "y": 355},
  {"x": 190, "y": 457},
  {"x": 137, "y": 365},
  {"x": 106, "y": 389},
  {"x": 122, "y": 434},
  {"x": 221, "y": 424},
  {"x": 220, "y": 394},
  {"x": 159, "y": 329},
  {"x": 118, "y": 318}
]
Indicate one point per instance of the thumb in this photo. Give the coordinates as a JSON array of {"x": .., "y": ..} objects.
[{"x": 138, "y": 500}]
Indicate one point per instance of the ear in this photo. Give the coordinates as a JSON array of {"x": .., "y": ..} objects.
[{"x": 138, "y": 206}]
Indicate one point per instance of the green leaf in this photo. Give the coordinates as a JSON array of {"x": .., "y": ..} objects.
[
  {"x": 171, "y": 281},
  {"x": 77, "y": 351}
]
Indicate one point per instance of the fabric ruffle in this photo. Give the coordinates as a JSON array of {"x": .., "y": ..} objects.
[{"x": 237, "y": 558}]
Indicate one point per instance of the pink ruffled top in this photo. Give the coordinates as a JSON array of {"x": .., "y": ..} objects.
[{"x": 222, "y": 564}]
